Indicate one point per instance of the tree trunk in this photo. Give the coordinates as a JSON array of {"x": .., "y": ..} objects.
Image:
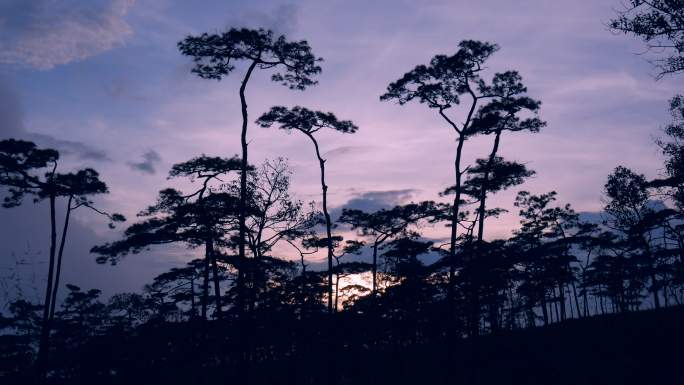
[
  {"x": 656, "y": 298},
  {"x": 193, "y": 310},
  {"x": 337, "y": 289},
  {"x": 205, "y": 283},
  {"x": 217, "y": 282},
  {"x": 554, "y": 306},
  {"x": 44, "y": 346},
  {"x": 483, "y": 188},
  {"x": 59, "y": 259},
  {"x": 243, "y": 363},
  {"x": 652, "y": 274},
  {"x": 561, "y": 301},
  {"x": 328, "y": 223},
  {"x": 454, "y": 222},
  {"x": 243, "y": 187},
  {"x": 303, "y": 288},
  {"x": 577, "y": 306},
  {"x": 375, "y": 268}
]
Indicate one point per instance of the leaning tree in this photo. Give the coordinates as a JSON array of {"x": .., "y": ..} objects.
[
  {"x": 309, "y": 122},
  {"x": 215, "y": 56}
]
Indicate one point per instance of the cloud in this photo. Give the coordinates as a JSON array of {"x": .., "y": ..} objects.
[
  {"x": 371, "y": 201},
  {"x": 46, "y": 33},
  {"x": 376, "y": 200},
  {"x": 282, "y": 20},
  {"x": 80, "y": 150},
  {"x": 348, "y": 150},
  {"x": 12, "y": 126},
  {"x": 148, "y": 165}
]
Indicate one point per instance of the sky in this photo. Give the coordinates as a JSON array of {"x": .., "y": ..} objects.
[{"x": 103, "y": 82}]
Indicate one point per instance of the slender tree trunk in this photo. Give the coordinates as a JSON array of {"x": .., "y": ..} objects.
[
  {"x": 530, "y": 315},
  {"x": 328, "y": 231},
  {"x": 193, "y": 309},
  {"x": 577, "y": 306},
  {"x": 205, "y": 281},
  {"x": 217, "y": 281},
  {"x": 483, "y": 187},
  {"x": 44, "y": 346},
  {"x": 337, "y": 289},
  {"x": 243, "y": 186},
  {"x": 302, "y": 301},
  {"x": 331, "y": 325},
  {"x": 454, "y": 223},
  {"x": 652, "y": 274},
  {"x": 561, "y": 296},
  {"x": 555, "y": 304},
  {"x": 243, "y": 369},
  {"x": 585, "y": 295},
  {"x": 375, "y": 268},
  {"x": 656, "y": 297},
  {"x": 665, "y": 296},
  {"x": 59, "y": 259},
  {"x": 328, "y": 223}
]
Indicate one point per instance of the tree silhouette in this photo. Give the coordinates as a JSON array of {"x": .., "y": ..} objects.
[
  {"x": 441, "y": 85},
  {"x": 80, "y": 319},
  {"x": 628, "y": 212},
  {"x": 279, "y": 317},
  {"x": 384, "y": 225},
  {"x": 545, "y": 238},
  {"x": 660, "y": 23},
  {"x": 670, "y": 187},
  {"x": 77, "y": 187},
  {"x": 20, "y": 162},
  {"x": 672, "y": 148},
  {"x": 411, "y": 295},
  {"x": 207, "y": 169},
  {"x": 178, "y": 218},
  {"x": 502, "y": 113},
  {"x": 178, "y": 285},
  {"x": 340, "y": 249},
  {"x": 130, "y": 310},
  {"x": 490, "y": 176},
  {"x": 215, "y": 56},
  {"x": 274, "y": 216},
  {"x": 309, "y": 122}
]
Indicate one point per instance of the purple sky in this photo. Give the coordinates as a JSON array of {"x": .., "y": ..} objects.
[{"x": 103, "y": 82}]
